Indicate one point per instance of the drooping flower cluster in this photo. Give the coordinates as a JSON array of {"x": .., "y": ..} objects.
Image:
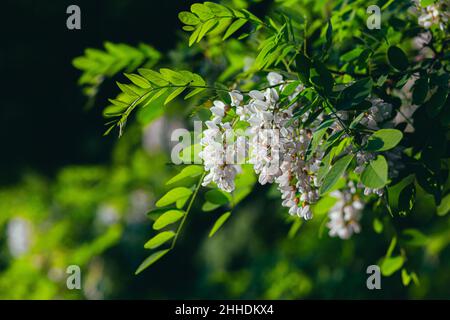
[
  {"x": 278, "y": 148},
  {"x": 345, "y": 214},
  {"x": 277, "y": 144},
  {"x": 219, "y": 150}
]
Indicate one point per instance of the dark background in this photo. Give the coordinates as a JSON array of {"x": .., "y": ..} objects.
[{"x": 43, "y": 123}]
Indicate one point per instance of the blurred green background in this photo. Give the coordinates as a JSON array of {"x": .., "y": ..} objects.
[{"x": 69, "y": 196}]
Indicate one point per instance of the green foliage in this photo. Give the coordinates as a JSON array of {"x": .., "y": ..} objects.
[
  {"x": 99, "y": 64},
  {"x": 384, "y": 139},
  {"x": 148, "y": 86},
  {"x": 151, "y": 260},
  {"x": 168, "y": 217},
  {"x": 213, "y": 18},
  {"x": 375, "y": 175},
  {"x": 335, "y": 173},
  {"x": 397, "y": 58},
  {"x": 159, "y": 239},
  {"x": 173, "y": 196},
  {"x": 219, "y": 222},
  {"x": 391, "y": 265},
  {"x": 344, "y": 67}
]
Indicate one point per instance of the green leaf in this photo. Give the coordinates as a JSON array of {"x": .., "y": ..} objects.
[
  {"x": 335, "y": 173},
  {"x": 153, "y": 77},
  {"x": 406, "y": 278},
  {"x": 194, "y": 92},
  {"x": 397, "y": 58},
  {"x": 375, "y": 174},
  {"x": 219, "y": 222},
  {"x": 151, "y": 260},
  {"x": 173, "y": 195},
  {"x": 175, "y": 93},
  {"x": 384, "y": 139},
  {"x": 391, "y": 265},
  {"x": 205, "y": 28},
  {"x": 194, "y": 35},
  {"x": 233, "y": 28},
  {"x": 217, "y": 196},
  {"x": 157, "y": 94},
  {"x": 218, "y": 10},
  {"x": 139, "y": 81},
  {"x": 188, "y": 18},
  {"x": 354, "y": 94},
  {"x": 391, "y": 247},
  {"x": 167, "y": 218},
  {"x": 426, "y": 3},
  {"x": 181, "y": 202},
  {"x": 128, "y": 90},
  {"x": 208, "y": 206},
  {"x": 377, "y": 226},
  {"x": 155, "y": 213},
  {"x": 159, "y": 239},
  {"x": 317, "y": 137},
  {"x": 177, "y": 78},
  {"x": 202, "y": 11},
  {"x": 191, "y": 171}
]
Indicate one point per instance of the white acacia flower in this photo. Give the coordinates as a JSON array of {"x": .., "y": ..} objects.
[
  {"x": 236, "y": 98},
  {"x": 219, "y": 151},
  {"x": 278, "y": 148},
  {"x": 345, "y": 215}
]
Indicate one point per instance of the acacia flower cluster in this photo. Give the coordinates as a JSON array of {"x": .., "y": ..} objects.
[
  {"x": 219, "y": 152},
  {"x": 344, "y": 216},
  {"x": 277, "y": 145}
]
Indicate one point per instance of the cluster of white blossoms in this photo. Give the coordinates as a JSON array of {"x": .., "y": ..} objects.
[
  {"x": 344, "y": 216},
  {"x": 276, "y": 144},
  {"x": 219, "y": 150},
  {"x": 278, "y": 148},
  {"x": 433, "y": 14}
]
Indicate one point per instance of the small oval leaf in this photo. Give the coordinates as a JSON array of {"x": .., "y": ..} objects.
[
  {"x": 151, "y": 260},
  {"x": 397, "y": 58},
  {"x": 391, "y": 265},
  {"x": 335, "y": 173},
  {"x": 159, "y": 239},
  {"x": 167, "y": 218},
  {"x": 375, "y": 174},
  {"x": 219, "y": 222},
  {"x": 173, "y": 195},
  {"x": 384, "y": 139}
]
